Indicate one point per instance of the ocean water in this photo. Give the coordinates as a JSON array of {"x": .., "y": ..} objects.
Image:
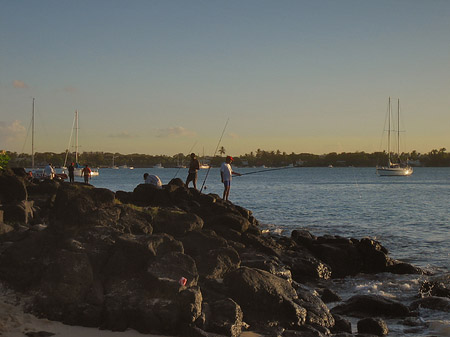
[{"x": 409, "y": 215}]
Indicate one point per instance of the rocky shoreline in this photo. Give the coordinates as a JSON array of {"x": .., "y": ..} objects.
[{"x": 176, "y": 262}]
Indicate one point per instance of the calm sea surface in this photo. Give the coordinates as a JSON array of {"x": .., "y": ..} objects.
[{"x": 409, "y": 215}]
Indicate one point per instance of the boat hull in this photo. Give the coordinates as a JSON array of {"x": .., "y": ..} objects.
[{"x": 394, "y": 171}]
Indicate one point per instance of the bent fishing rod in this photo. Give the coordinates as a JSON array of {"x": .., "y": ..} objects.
[{"x": 209, "y": 168}]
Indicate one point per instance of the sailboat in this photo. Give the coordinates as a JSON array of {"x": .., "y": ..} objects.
[
  {"x": 78, "y": 168},
  {"x": 398, "y": 168},
  {"x": 39, "y": 173}
]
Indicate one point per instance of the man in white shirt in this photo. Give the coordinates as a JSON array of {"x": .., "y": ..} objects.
[
  {"x": 153, "y": 180},
  {"x": 226, "y": 173},
  {"x": 49, "y": 171}
]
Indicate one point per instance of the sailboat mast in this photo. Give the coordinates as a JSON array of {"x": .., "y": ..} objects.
[
  {"x": 76, "y": 136},
  {"x": 389, "y": 132},
  {"x": 398, "y": 129},
  {"x": 32, "y": 136}
]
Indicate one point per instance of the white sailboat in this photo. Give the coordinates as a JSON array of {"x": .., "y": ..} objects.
[
  {"x": 39, "y": 173},
  {"x": 394, "y": 169},
  {"x": 78, "y": 168}
]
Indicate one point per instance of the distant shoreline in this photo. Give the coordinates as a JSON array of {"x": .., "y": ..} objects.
[{"x": 259, "y": 158}]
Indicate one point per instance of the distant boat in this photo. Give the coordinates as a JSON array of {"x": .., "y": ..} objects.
[
  {"x": 114, "y": 166},
  {"x": 204, "y": 166},
  {"x": 78, "y": 171},
  {"x": 330, "y": 166},
  {"x": 123, "y": 166},
  {"x": 398, "y": 168},
  {"x": 158, "y": 166},
  {"x": 40, "y": 173}
]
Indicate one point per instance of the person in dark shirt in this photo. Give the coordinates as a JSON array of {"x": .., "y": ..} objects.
[
  {"x": 194, "y": 166},
  {"x": 71, "y": 169}
]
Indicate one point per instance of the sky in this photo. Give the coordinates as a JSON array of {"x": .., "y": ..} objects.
[{"x": 170, "y": 76}]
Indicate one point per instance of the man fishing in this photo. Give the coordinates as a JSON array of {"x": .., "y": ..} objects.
[
  {"x": 194, "y": 166},
  {"x": 226, "y": 173}
]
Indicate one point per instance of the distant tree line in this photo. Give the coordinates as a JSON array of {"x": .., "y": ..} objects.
[{"x": 434, "y": 158}]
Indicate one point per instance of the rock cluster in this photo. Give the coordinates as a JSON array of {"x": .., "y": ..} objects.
[{"x": 175, "y": 261}]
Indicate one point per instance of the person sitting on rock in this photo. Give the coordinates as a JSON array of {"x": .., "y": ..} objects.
[{"x": 153, "y": 180}]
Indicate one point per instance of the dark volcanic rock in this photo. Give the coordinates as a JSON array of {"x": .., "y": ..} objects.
[
  {"x": 317, "y": 312},
  {"x": 437, "y": 286},
  {"x": 224, "y": 317},
  {"x": 19, "y": 212},
  {"x": 176, "y": 222},
  {"x": 432, "y": 302},
  {"x": 341, "y": 325},
  {"x": 371, "y": 305},
  {"x": 12, "y": 188},
  {"x": 264, "y": 296},
  {"x": 373, "y": 326},
  {"x": 147, "y": 194},
  {"x": 178, "y": 262}
]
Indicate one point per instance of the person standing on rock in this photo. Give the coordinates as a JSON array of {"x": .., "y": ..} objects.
[
  {"x": 49, "y": 171},
  {"x": 194, "y": 166},
  {"x": 226, "y": 173},
  {"x": 71, "y": 170},
  {"x": 153, "y": 180},
  {"x": 86, "y": 173}
]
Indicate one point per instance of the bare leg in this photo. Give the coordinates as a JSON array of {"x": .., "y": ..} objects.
[{"x": 226, "y": 192}]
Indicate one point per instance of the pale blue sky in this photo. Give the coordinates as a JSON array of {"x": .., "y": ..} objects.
[{"x": 156, "y": 77}]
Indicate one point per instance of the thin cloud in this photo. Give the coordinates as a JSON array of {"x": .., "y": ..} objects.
[
  {"x": 9, "y": 132},
  {"x": 177, "y": 131},
  {"x": 19, "y": 84},
  {"x": 121, "y": 135},
  {"x": 233, "y": 136}
]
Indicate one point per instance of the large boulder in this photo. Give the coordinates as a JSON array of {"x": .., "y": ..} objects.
[
  {"x": 21, "y": 212},
  {"x": 167, "y": 272},
  {"x": 217, "y": 262},
  {"x": 135, "y": 220},
  {"x": 436, "y": 286},
  {"x": 130, "y": 304},
  {"x": 148, "y": 194},
  {"x": 373, "y": 326},
  {"x": 78, "y": 206},
  {"x": 432, "y": 302},
  {"x": 264, "y": 297},
  {"x": 176, "y": 222},
  {"x": 224, "y": 317},
  {"x": 68, "y": 292},
  {"x": 12, "y": 187},
  {"x": 371, "y": 305},
  {"x": 317, "y": 312}
]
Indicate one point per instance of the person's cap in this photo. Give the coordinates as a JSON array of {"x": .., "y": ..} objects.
[
  {"x": 230, "y": 158},
  {"x": 192, "y": 154}
]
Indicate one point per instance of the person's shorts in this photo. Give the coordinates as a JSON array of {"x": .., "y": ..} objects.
[
  {"x": 227, "y": 183},
  {"x": 192, "y": 176}
]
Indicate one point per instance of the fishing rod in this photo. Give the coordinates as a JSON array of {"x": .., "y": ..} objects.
[
  {"x": 209, "y": 168},
  {"x": 274, "y": 169},
  {"x": 176, "y": 173}
]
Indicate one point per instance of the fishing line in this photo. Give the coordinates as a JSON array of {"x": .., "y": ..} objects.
[
  {"x": 209, "y": 168},
  {"x": 274, "y": 169},
  {"x": 189, "y": 152}
]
